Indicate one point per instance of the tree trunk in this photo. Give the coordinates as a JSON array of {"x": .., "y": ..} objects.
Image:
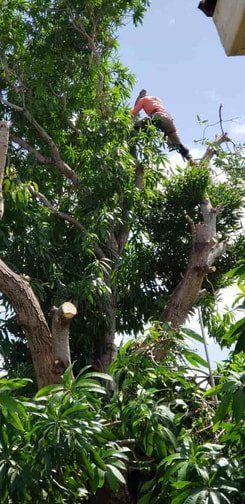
[
  {"x": 31, "y": 319},
  {"x": 205, "y": 250},
  {"x": 105, "y": 346}
]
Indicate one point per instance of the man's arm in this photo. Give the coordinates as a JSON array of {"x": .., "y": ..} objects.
[{"x": 138, "y": 107}]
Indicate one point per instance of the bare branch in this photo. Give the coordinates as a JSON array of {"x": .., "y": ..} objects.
[
  {"x": 38, "y": 156},
  {"x": 11, "y": 105},
  {"x": 212, "y": 149},
  {"x": 218, "y": 250},
  {"x": 221, "y": 120}
]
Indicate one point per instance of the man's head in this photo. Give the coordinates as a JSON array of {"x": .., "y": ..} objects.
[{"x": 142, "y": 93}]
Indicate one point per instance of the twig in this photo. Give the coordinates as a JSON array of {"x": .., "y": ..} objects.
[
  {"x": 220, "y": 119},
  {"x": 125, "y": 442}
]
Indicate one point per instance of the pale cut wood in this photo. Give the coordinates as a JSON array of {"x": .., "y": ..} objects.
[{"x": 61, "y": 319}]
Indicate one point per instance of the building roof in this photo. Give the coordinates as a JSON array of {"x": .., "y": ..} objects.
[{"x": 208, "y": 7}]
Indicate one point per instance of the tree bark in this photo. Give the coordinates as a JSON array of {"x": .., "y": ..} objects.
[
  {"x": 4, "y": 140},
  {"x": 105, "y": 349},
  {"x": 205, "y": 249},
  {"x": 31, "y": 319},
  {"x": 61, "y": 320}
]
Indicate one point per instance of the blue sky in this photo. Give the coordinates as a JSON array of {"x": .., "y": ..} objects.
[{"x": 177, "y": 55}]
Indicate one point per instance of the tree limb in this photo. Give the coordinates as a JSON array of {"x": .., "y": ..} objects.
[
  {"x": 205, "y": 250},
  {"x": 31, "y": 318},
  {"x": 212, "y": 149},
  {"x": 37, "y": 155}
]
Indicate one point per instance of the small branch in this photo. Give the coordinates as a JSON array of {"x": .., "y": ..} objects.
[
  {"x": 11, "y": 105},
  {"x": 218, "y": 250},
  {"x": 221, "y": 120},
  {"x": 191, "y": 224},
  {"x": 24, "y": 145},
  {"x": 126, "y": 442},
  {"x": 112, "y": 424}
]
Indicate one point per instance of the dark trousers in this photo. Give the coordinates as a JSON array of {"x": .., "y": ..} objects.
[{"x": 165, "y": 124}]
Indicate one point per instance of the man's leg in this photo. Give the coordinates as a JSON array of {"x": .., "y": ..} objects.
[
  {"x": 166, "y": 124},
  {"x": 174, "y": 140}
]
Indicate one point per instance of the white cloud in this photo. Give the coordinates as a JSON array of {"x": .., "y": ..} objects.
[{"x": 238, "y": 129}]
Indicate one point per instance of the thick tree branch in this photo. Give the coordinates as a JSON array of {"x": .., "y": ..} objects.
[
  {"x": 31, "y": 319},
  {"x": 212, "y": 149},
  {"x": 4, "y": 140},
  {"x": 205, "y": 250}
]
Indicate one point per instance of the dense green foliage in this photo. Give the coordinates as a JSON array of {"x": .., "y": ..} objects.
[{"x": 67, "y": 442}]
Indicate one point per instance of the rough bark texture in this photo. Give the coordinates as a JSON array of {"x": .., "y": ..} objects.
[
  {"x": 4, "y": 140},
  {"x": 105, "y": 347},
  {"x": 31, "y": 319},
  {"x": 205, "y": 250},
  {"x": 61, "y": 320}
]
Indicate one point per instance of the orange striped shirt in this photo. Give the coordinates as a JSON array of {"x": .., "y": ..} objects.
[{"x": 149, "y": 104}]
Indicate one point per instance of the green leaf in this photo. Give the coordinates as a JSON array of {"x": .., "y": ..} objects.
[
  {"x": 145, "y": 499},
  {"x": 192, "y": 334},
  {"x": 223, "y": 408},
  {"x": 194, "y": 359},
  {"x": 214, "y": 497},
  {"x": 102, "y": 376},
  {"x": 74, "y": 409},
  {"x": 87, "y": 464},
  {"x": 48, "y": 389},
  {"x": 181, "y": 484},
  {"x": 116, "y": 473}
]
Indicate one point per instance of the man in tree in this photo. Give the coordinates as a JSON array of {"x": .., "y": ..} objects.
[{"x": 154, "y": 108}]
